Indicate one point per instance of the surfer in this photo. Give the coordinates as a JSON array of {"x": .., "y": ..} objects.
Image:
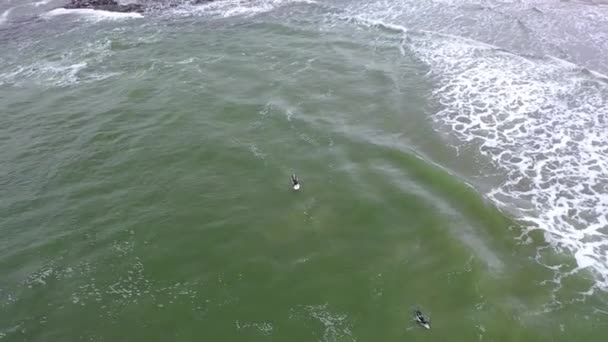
[
  {"x": 420, "y": 319},
  {"x": 295, "y": 183}
]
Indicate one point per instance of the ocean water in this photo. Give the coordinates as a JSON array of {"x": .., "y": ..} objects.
[{"x": 453, "y": 157}]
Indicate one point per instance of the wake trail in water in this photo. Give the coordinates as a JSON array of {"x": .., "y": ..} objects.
[{"x": 544, "y": 121}]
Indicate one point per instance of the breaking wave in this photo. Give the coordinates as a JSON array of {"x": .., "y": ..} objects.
[
  {"x": 4, "y": 15},
  {"x": 91, "y": 14},
  {"x": 541, "y": 120},
  {"x": 232, "y": 8},
  {"x": 76, "y": 66}
]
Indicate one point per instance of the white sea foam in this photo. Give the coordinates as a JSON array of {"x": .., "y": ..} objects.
[
  {"x": 4, "y": 15},
  {"x": 337, "y": 326},
  {"x": 42, "y": 3},
  {"x": 232, "y": 8},
  {"x": 40, "y": 277},
  {"x": 91, "y": 14},
  {"x": 543, "y": 121},
  {"x": 126, "y": 286},
  {"x": 54, "y": 73},
  {"x": 70, "y": 68},
  {"x": 263, "y": 327}
]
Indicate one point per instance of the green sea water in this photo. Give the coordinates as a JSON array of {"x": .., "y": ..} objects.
[{"x": 145, "y": 188}]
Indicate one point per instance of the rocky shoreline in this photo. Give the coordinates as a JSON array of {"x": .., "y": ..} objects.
[
  {"x": 106, "y": 5},
  {"x": 115, "y": 6}
]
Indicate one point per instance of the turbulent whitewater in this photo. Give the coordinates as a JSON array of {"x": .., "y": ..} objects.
[{"x": 539, "y": 118}]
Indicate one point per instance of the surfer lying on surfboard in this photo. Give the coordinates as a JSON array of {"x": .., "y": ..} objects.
[
  {"x": 295, "y": 183},
  {"x": 421, "y": 319}
]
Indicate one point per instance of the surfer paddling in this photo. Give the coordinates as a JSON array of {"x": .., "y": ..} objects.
[
  {"x": 421, "y": 319},
  {"x": 295, "y": 183}
]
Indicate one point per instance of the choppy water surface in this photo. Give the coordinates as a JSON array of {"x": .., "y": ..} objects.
[{"x": 453, "y": 157}]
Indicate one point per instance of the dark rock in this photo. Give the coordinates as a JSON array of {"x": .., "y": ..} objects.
[
  {"x": 140, "y": 6},
  {"x": 105, "y": 5}
]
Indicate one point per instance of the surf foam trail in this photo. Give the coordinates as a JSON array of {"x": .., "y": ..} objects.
[
  {"x": 543, "y": 121},
  {"x": 233, "y": 8},
  {"x": 91, "y": 14}
]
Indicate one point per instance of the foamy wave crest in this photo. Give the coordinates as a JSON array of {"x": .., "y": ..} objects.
[
  {"x": 41, "y": 3},
  {"x": 4, "y": 16},
  {"x": 54, "y": 73},
  {"x": 545, "y": 122},
  {"x": 91, "y": 14},
  {"x": 232, "y": 8},
  {"x": 78, "y": 65}
]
